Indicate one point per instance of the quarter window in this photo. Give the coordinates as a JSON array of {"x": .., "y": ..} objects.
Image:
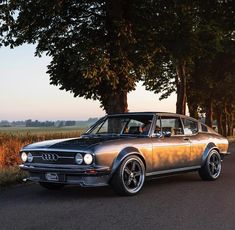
[
  {"x": 190, "y": 126},
  {"x": 204, "y": 128}
]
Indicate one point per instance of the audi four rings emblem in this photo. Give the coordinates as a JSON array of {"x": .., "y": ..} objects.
[{"x": 50, "y": 157}]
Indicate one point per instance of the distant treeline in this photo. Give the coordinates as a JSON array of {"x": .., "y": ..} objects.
[{"x": 58, "y": 123}]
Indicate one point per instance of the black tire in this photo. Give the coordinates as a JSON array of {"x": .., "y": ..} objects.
[
  {"x": 129, "y": 177},
  {"x": 211, "y": 169},
  {"x": 51, "y": 186}
]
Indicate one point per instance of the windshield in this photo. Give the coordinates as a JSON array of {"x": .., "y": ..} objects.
[{"x": 123, "y": 125}]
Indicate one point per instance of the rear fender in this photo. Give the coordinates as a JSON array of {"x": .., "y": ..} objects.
[{"x": 207, "y": 150}]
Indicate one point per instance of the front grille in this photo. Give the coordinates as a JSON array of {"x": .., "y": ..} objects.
[{"x": 53, "y": 157}]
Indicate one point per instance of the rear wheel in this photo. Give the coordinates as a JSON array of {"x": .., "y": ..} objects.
[
  {"x": 130, "y": 176},
  {"x": 211, "y": 169},
  {"x": 51, "y": 186}
]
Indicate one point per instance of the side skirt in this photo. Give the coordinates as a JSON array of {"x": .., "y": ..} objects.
[{"x": 172, "y": 171}]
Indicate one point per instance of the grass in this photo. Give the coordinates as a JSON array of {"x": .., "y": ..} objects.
[
  {"x": 39, "y": 130},
  {"x": 11, "y": 176},
  {"x": 13, "y": 139}
]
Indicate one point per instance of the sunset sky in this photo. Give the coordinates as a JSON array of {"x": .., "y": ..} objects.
[{"x": 25, "y": 92}]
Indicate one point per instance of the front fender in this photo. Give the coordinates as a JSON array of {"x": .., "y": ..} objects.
[
  {"x": 122, "y": 155},
  {"x": 207, "y": 150}
]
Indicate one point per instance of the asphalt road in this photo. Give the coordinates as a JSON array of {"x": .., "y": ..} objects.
[{"x": 177, "y": 202}]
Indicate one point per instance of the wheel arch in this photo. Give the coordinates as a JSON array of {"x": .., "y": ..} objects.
[
  {"x": 210, "y": 146},
  {"x": 126, "y": 152}
]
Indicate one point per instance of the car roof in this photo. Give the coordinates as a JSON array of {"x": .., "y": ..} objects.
[{"x": 153, "y": 113}]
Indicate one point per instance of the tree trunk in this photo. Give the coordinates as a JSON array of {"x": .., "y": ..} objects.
[
  {"x": 209, "y": 113},
  {"x": 116, "y": 22},
  {"x": 224, "y": 120},
  {"x": 116, "y": 103},
  {"x": 230, "y": 124},
  {"x": 230, "y": 118},
  {"x": 219, "y": 119},
  {"x": 193, "y": 110},
  {"x": 181, "y": 85},
  {"x": 224, "y": 124}
]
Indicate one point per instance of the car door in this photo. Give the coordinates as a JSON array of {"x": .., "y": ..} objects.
[
  {"x": 191, "y": 131},
  {"x": 171, "y": 148}
]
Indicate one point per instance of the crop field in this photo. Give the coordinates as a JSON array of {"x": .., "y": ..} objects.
[
  {"x": 40, "y": 130},
  {"x": 13, "y": 139}
]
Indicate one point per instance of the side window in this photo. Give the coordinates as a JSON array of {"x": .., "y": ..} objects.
[
  {"x": 158, "y": 127},
  {"x": 134, "y": 123},
  {"x": 133, "y": 127},
  {"x": 190, "y": 126},
  {"x": 138, "y": 127},
  {"x": 172, "y": 124},
  {"x": 204, "y": 128}
]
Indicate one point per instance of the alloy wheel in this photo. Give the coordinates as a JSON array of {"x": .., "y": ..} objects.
[
  {"x": 214, "y": 164},
  {"x": 133, "y": 175}
]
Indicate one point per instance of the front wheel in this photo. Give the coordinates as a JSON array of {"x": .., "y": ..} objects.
[
  {"x": 211, "y": 169},
  {"x": 51, "y": 186},
  {"x": 130, "y": 176}
]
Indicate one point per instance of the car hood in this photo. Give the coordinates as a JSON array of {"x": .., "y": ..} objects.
[{"x": 81, "y": 143}]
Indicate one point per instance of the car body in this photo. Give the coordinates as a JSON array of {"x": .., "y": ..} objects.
[{"x": 122, "y": 150}]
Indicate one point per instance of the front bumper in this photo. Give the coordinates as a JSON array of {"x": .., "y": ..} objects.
[{"x": 74, "y": 175}]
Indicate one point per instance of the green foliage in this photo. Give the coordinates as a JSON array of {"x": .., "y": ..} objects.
[
  {"x": 213, "y": 68},
  {"x": 100, "y": 49},
  {"x": 90, "y": 42},
  {"x": 183, "y": 35}
]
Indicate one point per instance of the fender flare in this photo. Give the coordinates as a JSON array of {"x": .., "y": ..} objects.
[
  {"x": 122, "y": 155},
  {"x": 207, "y": 150}
]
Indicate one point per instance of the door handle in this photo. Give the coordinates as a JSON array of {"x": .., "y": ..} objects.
[{"x": 186, "y": 139}]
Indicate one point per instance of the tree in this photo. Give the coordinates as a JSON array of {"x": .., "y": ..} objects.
[
  {"x": 172, "y": 31},
  {"x": 213, "y": 69},
  {"x": 91, "y": 44},
  {"x": 100, "y": 49},
  {"x": 184, "y": 33},
  {"x": 212, "y": 86}
]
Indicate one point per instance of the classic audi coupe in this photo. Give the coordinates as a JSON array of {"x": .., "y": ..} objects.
[{"x": 122, "y": 150}]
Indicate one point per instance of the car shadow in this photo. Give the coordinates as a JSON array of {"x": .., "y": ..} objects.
[
  {"x": 173, "y": 179},
  {"x": 71, "y": 192}
]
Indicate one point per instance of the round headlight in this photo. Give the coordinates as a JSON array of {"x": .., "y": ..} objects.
[
  {"x": 78, "y": 158},
  {"x": 88, "y": 158},
  {"x": 30, "y": 157},
  {"x": 24, "y": 157}
]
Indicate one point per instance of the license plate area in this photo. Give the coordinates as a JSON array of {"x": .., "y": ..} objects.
[{"x": 51, "y": 176}]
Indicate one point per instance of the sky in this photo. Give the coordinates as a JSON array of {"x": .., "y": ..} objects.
[{"x": 25, "y": 92}]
